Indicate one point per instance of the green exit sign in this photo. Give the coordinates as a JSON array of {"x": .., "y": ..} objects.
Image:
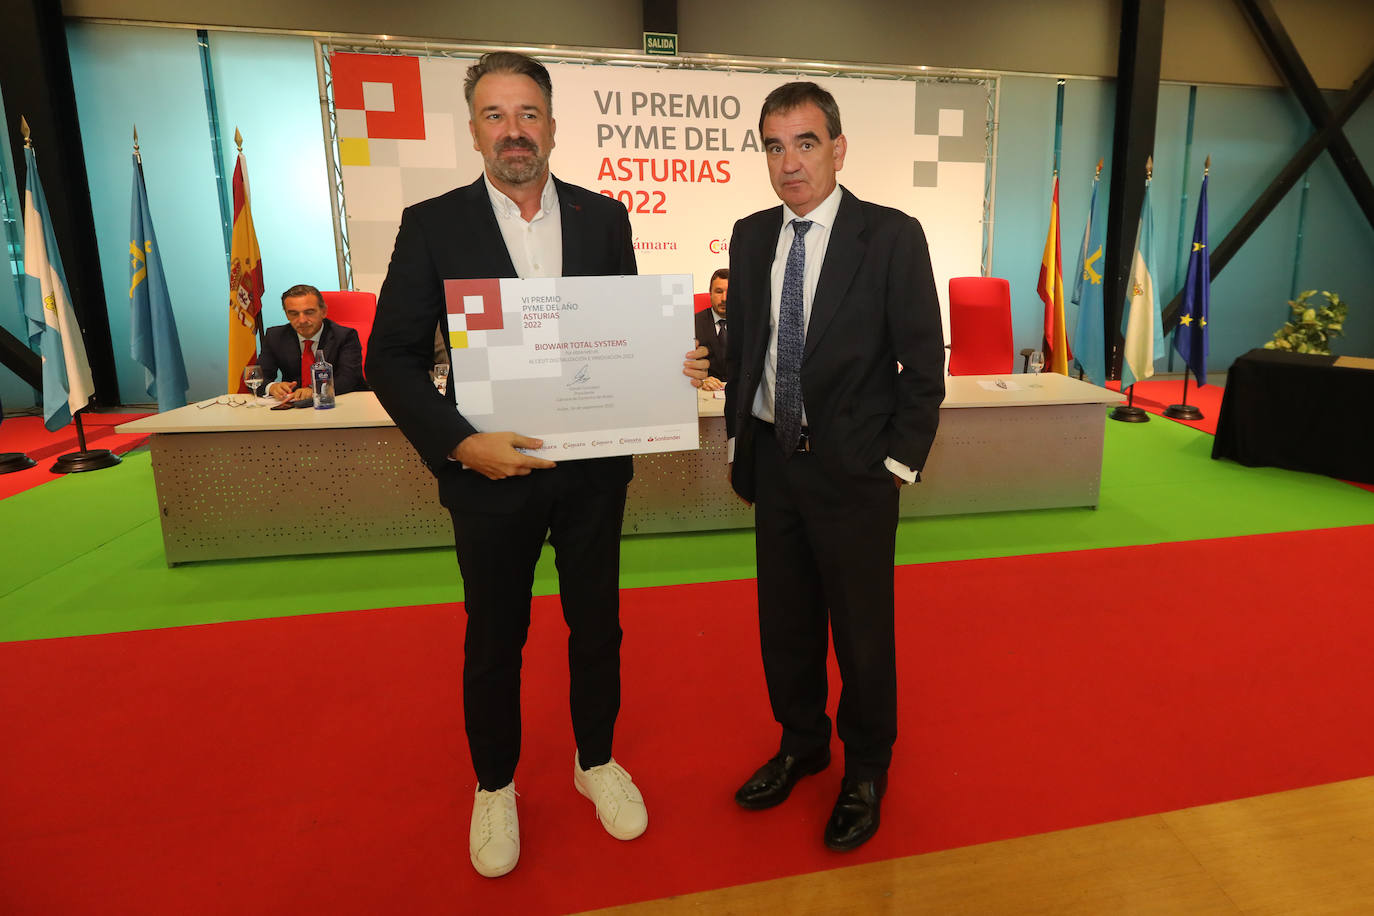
[{"x": 664, "y": 43}]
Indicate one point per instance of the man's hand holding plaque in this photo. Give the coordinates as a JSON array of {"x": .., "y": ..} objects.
[{"x": 495, "y": 455}]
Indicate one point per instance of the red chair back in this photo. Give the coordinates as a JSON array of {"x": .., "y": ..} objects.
[
  {"x": 701, "y": 301},
  {"x": 352, "y": 310},
  {"x": 980, "y": 336}
]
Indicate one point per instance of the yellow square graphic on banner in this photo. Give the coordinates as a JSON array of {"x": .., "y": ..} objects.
[
  {"x": 458, "y": 340},
  {"x": 353, "y": 151}
]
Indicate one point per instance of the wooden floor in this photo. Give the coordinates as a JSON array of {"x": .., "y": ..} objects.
[{"x": 1304, "y": 851}]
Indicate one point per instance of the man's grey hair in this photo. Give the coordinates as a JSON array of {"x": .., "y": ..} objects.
[
  {"x": 509, "y": 62},
  {"x": 794, "y": 95}
]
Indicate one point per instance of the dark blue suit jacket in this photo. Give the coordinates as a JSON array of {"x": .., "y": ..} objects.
[
  {"x": 455, "y": 236},
  {"x": 708, "y": 338},
  {"x": 875, "y": 306},
  {"x": 281, "y": 353}
]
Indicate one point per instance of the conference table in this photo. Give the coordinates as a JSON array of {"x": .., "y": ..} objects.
[
  {"x": 247, "y": 481},
  {"x": 1301, "y": 411}
]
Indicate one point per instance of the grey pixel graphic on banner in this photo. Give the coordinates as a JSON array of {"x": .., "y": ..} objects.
[{"x": 954, "y": 116}]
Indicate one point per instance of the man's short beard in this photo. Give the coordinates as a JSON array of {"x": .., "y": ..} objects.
[{"x": 518, "y": 171}]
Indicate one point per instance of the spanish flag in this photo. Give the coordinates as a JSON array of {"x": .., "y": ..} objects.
[
  {"x": 1051, "y": 290},
  {"x": 245, "y": 280}
]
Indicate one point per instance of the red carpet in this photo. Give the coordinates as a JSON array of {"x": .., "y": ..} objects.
[
  {"x": 1157, "y": 395},
  {"x": 28, "y": 435},
  {"x": 317, "y": 764}
]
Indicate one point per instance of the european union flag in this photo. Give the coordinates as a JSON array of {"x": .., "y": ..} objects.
[
  {"x": 1088, "y": 338},
  {"x": 1190, "y": 337},
  {"x": 153, "y": 338}
]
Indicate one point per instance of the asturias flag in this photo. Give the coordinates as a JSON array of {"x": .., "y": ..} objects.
[
  {"x": 245, "y": 284},
  {"x": 1051, "y": 289},
  {"x": 1088, "y": 338},
  {"x": 1190, "y": 337},
  {"x": 1144, "y": 326},
  {"x": 67, "y": 385},
  {"x": 153, "y": 328}
]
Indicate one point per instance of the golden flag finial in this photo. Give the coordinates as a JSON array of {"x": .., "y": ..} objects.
[
  {"x": 1207, "y": 166},
  {"x": 24, "y": 129},
  {"x": 1099, "y": 168},
  {"x": 238, "y": 139},
  {"x": 1149, "y": 168}
]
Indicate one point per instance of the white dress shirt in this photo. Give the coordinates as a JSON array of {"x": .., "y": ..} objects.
[
  {"x": 535, "y": 246},
  {"x": 816, "y": 241}
]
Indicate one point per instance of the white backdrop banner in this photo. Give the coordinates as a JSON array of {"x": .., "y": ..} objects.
[{"x": 679, "y": 147}]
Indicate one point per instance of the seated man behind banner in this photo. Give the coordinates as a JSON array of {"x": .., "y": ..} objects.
[
  {"x": 711, "y": 332},
  {"x": 292, "y": 349}
]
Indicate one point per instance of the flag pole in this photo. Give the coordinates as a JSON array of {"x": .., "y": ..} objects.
[
  {"x": 1186, "y": 411},
  {"x": 258, "y": 328},
  {"x": 15, "y": 461},
  {"x": 1128, "y": 412},
  {"x": 84, "y": 459}
]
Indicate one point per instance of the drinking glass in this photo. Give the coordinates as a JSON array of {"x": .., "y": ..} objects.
[
  {"x": 253, "y": 377},
  {"x": 1037, "y": 361},
  {"x": 440, "y": 375}
]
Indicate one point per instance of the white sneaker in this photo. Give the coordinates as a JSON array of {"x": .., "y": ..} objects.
[
  {"x": 619, "y": 806},
  {"x": 494, "y": 838}
]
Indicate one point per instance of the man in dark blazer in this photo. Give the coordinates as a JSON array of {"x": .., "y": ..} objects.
[
  {"x": 713, "y": 331},
  {"x": 515, "y": 220},
  {"x": 287, "y": 348},
  {"x": 836, "y": 367}
]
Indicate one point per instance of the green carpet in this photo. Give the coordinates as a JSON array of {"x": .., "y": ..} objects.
[{"x": 84, "y": 554}]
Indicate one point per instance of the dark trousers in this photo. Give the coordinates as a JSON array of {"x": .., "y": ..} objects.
[
  {"x": 825, "y": 548},
  {"x": 496, "y": 556}
]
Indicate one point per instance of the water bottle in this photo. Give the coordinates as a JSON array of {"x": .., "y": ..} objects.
[{"x": 322, "y": 377}]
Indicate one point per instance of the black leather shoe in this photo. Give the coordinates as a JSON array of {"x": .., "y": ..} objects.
[
  {"x": 772, "y": 783},
  {"x": 856, "y": 815}
]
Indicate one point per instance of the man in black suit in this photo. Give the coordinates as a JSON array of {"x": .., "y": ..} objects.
[
  {"x": 836, "y": 367},
  {"x": 515, "y": 220},
  {"x": 712, "y": 332},
  {"x": 291, "y": 349}
]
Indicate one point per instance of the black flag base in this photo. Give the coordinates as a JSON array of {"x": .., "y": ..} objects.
[
  {"x": 1126, "y": 414},
  {"x": 87, "y": 460},
  {"x": 15, "y": 461},
  {"x": 1182, "y": 412}
]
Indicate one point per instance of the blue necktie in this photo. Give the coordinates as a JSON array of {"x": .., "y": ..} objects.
[{"x": 787, "y": 394}]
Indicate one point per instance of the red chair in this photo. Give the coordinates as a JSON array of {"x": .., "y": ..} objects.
[
  {"x": 701, "y": 302},
  {"x": 353, "y": 310},
  {"x": 980, "y": 336}
]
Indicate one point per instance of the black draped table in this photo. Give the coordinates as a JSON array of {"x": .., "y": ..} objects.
[{"x": 1299, "y": 411}]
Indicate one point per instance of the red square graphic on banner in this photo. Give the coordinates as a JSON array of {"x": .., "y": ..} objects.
[
  {"x": 407, "y": 119},
  {"x": 487, "y": 317}
]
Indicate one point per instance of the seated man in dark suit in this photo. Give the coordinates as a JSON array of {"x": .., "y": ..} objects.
[
  {"x": 711, "y": 330},
  {"x": 291, "y": 349}
]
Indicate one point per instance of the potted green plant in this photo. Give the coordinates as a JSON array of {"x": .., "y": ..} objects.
[{"x": 1317, "y": 318}]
